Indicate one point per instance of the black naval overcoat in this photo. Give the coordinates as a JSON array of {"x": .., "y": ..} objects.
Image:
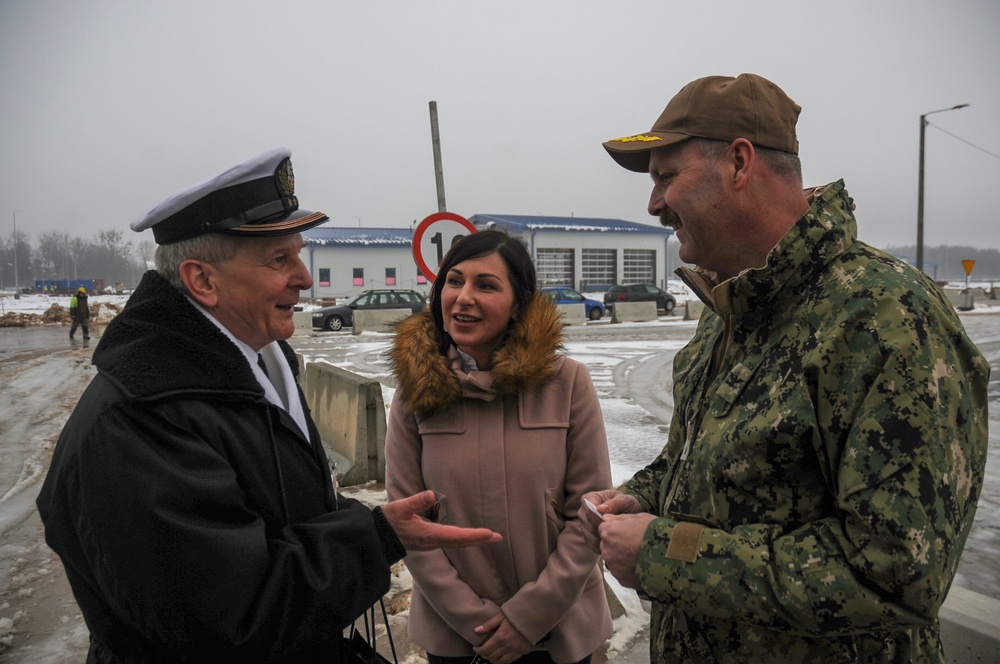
[{"x": 194, "y": 520}]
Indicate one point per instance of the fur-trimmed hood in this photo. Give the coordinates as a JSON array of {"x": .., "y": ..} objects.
[{"x": 431, "y": 381}]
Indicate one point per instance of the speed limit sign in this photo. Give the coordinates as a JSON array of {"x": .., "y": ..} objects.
[{"x": 433, "y": 238}]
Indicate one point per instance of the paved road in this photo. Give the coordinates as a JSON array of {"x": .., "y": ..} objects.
[{"x": 43, "y": 376}]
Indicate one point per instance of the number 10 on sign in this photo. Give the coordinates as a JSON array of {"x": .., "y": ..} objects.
[{"x": 434, "y": 236}]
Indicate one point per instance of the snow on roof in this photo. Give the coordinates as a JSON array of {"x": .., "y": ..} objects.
[
  {"x": 363, "y": 237},
  {"x": 523, "y": 223},
  {"x": 357, "y": 237}
]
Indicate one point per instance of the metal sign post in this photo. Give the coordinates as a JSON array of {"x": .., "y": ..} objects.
[{"x": 968, "y": 265}]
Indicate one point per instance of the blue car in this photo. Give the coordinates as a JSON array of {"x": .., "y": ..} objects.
[{"x": 594, "y": 310}]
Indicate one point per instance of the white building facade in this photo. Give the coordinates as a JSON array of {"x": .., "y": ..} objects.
[
  {"x": 587, "y": 254},
  {"x": 346, "y": 261}
]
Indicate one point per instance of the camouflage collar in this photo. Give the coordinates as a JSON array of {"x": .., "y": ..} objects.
[{"x": 826, "y": 230}]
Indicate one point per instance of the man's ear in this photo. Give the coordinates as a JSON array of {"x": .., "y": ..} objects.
[
  {"x": 199, "y": 279},
  {"x": 743, "y": 158}
]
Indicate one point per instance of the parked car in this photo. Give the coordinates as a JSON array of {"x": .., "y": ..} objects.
[
  {"x": 640, "y": 293},
  {"x": 594, "y": 310},
  {"x": 342, "y": 315}
]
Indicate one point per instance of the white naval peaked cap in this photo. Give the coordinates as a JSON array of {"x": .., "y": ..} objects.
[{"x": 253, "y": 199}]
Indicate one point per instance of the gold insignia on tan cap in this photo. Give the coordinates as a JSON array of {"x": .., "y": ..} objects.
[{"x": 634, "y": 139}]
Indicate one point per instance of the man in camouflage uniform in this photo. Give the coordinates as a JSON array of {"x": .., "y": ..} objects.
[{"x": 830, "y": 419}]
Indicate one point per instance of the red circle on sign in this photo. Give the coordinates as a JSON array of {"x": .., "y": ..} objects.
[{"x": 418, "y": 236}]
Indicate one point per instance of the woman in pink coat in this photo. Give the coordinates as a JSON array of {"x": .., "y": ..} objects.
[{"x": 508, "y": 431}]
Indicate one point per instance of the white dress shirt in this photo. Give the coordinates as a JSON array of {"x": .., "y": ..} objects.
[{"x": 279, "y": 384}]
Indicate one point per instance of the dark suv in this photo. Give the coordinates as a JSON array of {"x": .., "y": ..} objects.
[
  {"x": 342, "y": 315},
  {"x": 640, "y": 293}
]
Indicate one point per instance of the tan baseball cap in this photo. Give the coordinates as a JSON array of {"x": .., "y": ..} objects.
[{"x": 716, "y": 107}]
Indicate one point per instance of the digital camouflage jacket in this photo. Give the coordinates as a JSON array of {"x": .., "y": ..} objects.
[{"x": 819, "y": 483}]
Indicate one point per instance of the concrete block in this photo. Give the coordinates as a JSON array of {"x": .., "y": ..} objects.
[
  {"x": 615, "y": 604},
  {"x": 961, "y": 298},
  {"x": 303, "y": 324},
  {"x": 633, "y": 312},
  {"x": 350, "y": 414},
  {"x": 693, "y": 309},
  {"x": 377, "y": 320},
  {"x": 301, "y": 380},
  {"x": 970, "y": 626},
  {"x": 573, "y": 314}
]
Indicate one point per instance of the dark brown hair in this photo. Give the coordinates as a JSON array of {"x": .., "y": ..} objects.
[{"x": 513, "y": 251}]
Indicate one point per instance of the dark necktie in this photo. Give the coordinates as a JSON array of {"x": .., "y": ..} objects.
[{"x": 263, "y": 367}]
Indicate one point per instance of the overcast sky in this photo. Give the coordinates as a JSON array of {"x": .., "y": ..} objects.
[{"x": 109, "y": 106}]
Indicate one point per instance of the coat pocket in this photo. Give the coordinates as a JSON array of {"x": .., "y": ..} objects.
[{"x": 543, "y": 410}]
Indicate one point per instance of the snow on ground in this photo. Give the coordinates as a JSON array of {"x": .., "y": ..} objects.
[
  {"x": 634, "y": 436},
  {"x": 38, "y": 304}
]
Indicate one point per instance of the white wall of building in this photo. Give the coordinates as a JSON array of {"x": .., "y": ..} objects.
[
  {"x": 374, "y": 259},
  {"x": 342, "y": 261}
]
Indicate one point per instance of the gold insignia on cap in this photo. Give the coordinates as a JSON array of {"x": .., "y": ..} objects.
[
  {"x": 635, "y": 139},
  {"x": 285, "y": 177}
]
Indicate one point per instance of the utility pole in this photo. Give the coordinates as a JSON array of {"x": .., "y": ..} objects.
[
  {"x": 438, "y": 169},
  {"x": 920, "y": 186},
  {"x": 17, "y": 282}
]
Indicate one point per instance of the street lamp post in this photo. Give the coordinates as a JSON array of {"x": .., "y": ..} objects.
[
  {"x": 920, "y": 185},
  {"x": 17, "y": 282}
]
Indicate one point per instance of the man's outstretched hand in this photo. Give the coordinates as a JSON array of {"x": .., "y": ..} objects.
[{"x": 418, "y": 534}]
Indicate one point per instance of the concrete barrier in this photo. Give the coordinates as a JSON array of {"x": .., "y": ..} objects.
[
  {"x": 301, "y": 379},
  {"x": 573, "y": 314},
  {"x": 963, "y": 299},
  {"x": 970, "y": 626},
  {"x": 633, "y": 312},
  {"x": 303, "y": 324},
  {"x": 377, "y": 320},
  {"x": 693, "y": 309},
  {"x": 350, "y": 415}
]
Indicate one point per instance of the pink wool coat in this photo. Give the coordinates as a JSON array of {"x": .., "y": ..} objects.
[{"x": 514, "y": 450}]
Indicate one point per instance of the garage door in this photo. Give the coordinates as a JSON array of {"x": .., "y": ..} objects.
[
  {"x": 554, "y": 266},
  {"x": 599, "y": 267},
  {"x": 639, "y": 266}
]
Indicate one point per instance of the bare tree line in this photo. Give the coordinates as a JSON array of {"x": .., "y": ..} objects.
[
  {"x": 55, "y": 256},
  {"x": 108, "y": 256},
  {"x": 944, "y": 263}
]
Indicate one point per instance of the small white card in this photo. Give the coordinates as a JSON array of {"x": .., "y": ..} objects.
[{"x": 593, "y": 509}]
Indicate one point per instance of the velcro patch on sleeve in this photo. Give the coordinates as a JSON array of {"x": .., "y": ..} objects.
[{"x": 685, "y": 542}]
